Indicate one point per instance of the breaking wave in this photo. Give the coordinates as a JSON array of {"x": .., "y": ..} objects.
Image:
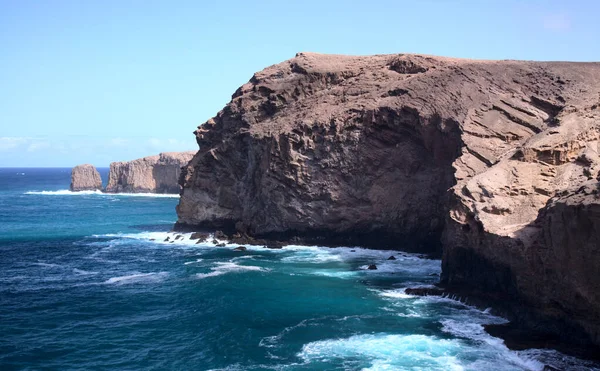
[{"x": 66, "y": 192}]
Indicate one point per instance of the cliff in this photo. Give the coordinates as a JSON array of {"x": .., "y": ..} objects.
[
  {"x": 483, "y": 159},
  {"x": 152, "y": 174},
  {"x": 85, "y": 178}
]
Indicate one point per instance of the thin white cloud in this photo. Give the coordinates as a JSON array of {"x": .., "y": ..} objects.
[
  {"x": 37, "y": 145},
  {"x": 556, "y": 22},
  {"x": 119, "y": 142},
  {"x": 8, "y": 143}
]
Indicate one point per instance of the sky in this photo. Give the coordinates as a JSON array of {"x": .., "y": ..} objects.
[{"x": 114, "y": 80}]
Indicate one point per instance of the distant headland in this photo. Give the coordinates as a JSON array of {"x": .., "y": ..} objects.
[{"x": 152, "y": 174}]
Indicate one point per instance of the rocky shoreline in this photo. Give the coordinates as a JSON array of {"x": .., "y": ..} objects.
[{"x": 493, "y": 164}]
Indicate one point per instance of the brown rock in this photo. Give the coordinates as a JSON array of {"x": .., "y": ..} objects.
[
  {"x": 85, "y": 178},
  {"x": 363, "y": 150},
  {"x": 152, "y": 174}
]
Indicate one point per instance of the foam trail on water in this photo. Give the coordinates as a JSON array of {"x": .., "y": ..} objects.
[
  {"x": 138, "y": 278},
  {"x": 229, "y": 267},
  {"x": 66, "y": 192}
]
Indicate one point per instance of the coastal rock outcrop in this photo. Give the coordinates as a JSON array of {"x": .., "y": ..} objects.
[
  {"x": 85, "y": 178},
  {"x": 493, "y": 162},
  {"x": 152, "y": 174}
]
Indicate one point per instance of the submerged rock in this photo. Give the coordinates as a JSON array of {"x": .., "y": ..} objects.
[
  {"x": 240, "y": 248},
  {"x": 85, "y": 178}
]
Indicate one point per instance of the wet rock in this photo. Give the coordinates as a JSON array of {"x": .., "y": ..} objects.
[
  {"x": 178, "y": 237},
  {"x": 274, "y": 245},
  {"x": 391, "y": 258},
  {"x": 215, "y": 242},
  {"x": 220, "y": 235},
  {"x": 199, "y": 236},
  {"x": 167, "y": 239},
  {"x": 221, "y": 244},
  {"x": 372, "y": 267},
  {"x": 424, "y": 291},
  {"x": 240, "y": 248}
]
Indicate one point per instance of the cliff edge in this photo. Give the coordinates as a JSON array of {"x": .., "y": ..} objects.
[{"x": 484, "y": 160}]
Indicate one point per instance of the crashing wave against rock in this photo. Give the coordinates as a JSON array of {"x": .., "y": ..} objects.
[{"x": 483, "y": 158}]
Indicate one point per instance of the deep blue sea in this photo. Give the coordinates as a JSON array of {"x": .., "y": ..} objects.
[{"x": 87, "y": 282}]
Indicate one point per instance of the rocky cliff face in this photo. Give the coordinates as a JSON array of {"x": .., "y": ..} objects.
[
  {"x": 483, "y": 158},
  {"x": 152, "y": 174},
  {"x": 85, "y": 178}
]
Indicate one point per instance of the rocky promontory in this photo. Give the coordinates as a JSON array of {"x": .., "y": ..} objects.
[
  {"x": 85, "y": 178},
  {"x": 152, "y": 174},
  {"x": 493, "y": 163}
]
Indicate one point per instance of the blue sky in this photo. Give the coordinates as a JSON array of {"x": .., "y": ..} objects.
[{"x": 101, "y": 81}]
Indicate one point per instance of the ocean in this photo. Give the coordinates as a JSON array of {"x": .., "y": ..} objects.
[{"x": 87, "y": 281}]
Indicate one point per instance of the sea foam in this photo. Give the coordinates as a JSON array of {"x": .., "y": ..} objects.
[
  {"x": 387, "y": 352},
  {"x": 138, "y": 278},
  {"x": 229, "y": 267},
  {"x": 66, "y": 192}
]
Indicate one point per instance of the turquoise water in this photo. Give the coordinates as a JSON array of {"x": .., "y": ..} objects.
[{"x": 87, "y": 282}]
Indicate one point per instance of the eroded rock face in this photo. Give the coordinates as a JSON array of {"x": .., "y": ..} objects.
[
  {"x": 85, "y": 178},
  {"x": 417, "y": 152},
  {"x": 152, "y": 174}
]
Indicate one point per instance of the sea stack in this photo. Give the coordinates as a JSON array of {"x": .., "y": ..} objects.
[
  {"x": 483, "y": 160},
  {"x": 85, "y": 178},
  {"x": 152, "y": 174}
]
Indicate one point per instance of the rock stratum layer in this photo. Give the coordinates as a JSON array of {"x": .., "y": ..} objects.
[
  {"x": 85, "y": 178},
  {"x": 152, "y": 174},
  {"x": 493, "y": 162}
]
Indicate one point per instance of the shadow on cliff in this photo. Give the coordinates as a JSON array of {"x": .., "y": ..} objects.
[{"x": 544, "y": 279}]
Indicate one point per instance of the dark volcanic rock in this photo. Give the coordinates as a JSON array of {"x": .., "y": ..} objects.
[
  {"x": 372, "y": 267},
  {"x": 220, "y": 235},
  {"x": 85, "y": 178},
  {"x": 425, "y": 291},
  {"x": 391, "y": 258},
  {"x": 200, "y": 236},
  {"x": 481, "y": 157}
]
